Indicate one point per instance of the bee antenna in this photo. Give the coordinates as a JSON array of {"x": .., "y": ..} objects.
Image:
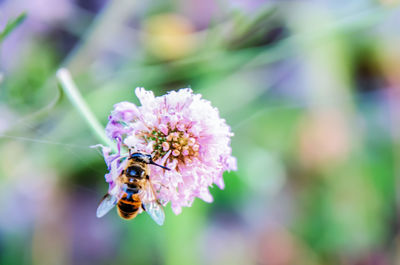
[{"x": 153, "y": 163}]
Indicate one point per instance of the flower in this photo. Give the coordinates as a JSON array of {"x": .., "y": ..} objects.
[
  {"x": 169, "y": 36},
  {"x": 183, "y": 132}
]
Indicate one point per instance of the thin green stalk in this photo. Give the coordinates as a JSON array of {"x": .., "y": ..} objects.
[
  {"x": 11, "y": 25},
  {"x": 71, "y": 90}
]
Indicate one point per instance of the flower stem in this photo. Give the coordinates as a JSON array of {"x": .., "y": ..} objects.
[
  {"x": 11, "y": 25},
  {"x": 71, "y": 90}
]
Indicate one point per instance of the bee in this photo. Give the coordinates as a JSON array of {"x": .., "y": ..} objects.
[{"x": 136, "y": 191}]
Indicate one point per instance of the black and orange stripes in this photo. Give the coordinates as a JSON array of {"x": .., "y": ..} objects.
[{"x": 128, "y": 206}]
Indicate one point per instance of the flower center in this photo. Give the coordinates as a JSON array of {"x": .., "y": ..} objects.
[{"x": 183, "y": 146}]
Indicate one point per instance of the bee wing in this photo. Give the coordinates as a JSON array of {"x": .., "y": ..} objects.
[
  {"x": 107, "y": 203},
  {"x": 151, "y": 205},
  {"x": 155, "y": 210}
]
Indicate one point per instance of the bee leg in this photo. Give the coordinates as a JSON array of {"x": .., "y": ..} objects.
[
  {"x": 164, "y": 186},
  {"x": 144, "y": 209}
]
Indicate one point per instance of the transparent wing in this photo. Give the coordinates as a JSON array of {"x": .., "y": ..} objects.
[
  {"x": 107, "y": 203},
  {"x": 151, "y": 205},
  {"x": 156, "y": 212}
]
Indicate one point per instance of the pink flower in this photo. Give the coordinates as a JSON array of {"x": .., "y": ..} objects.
[{"x": 183, "y": 132}]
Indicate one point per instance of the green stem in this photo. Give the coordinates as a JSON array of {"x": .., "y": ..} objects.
[
  {"x": 11, "y": 25},
  {"x": 71, "y": 90}
]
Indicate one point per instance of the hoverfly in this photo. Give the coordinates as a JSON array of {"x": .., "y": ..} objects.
[{"x": 136, "y": 191}]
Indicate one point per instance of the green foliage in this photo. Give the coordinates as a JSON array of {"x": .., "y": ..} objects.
[{"x": 12, "y": 25}]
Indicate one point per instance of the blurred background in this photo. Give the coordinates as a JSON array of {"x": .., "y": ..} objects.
[{"x": 311, "y": 90}]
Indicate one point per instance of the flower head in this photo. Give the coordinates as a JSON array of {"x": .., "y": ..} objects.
[{"x": 183, "y": 132}]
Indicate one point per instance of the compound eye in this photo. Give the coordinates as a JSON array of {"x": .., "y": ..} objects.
[{"x": 135, "y": 155}]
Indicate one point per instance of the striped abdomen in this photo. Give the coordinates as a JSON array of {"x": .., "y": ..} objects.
[{"x": 129, "y": 205}]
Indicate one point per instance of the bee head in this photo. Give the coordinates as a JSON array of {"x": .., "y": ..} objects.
[
  {"x": 141, "y": 157},
  {"x": 145, "y": 158}
]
